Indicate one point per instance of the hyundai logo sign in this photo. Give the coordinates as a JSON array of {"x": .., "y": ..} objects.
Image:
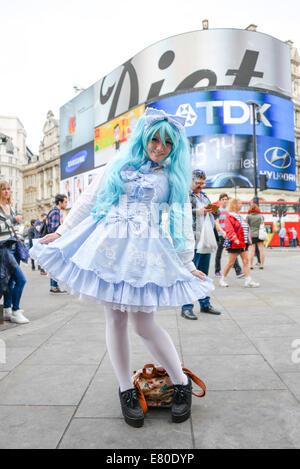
[
  {"x": 77, "y": 160},
  {"x": 278, "y": 157}
]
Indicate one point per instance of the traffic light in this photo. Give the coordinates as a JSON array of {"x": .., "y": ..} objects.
[{"x": 263, "y": 182}]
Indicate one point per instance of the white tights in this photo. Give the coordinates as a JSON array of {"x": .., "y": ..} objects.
[{"x": 155, "y": 338}]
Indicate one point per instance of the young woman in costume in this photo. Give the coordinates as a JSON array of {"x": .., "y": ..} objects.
[{"x": 112, "y": 248}]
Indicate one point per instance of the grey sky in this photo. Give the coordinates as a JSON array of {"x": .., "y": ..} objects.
[{"x": 47, "y": 47}]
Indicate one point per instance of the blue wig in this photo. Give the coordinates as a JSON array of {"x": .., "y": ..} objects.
[{"x": 134, "y": 154}]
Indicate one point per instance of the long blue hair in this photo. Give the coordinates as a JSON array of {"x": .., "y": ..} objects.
[{"x": 134, "y": 154}]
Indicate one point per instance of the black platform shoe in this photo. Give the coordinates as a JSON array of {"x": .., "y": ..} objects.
[
  {"x": 188, "y": 314},
  {"x": 131, "y": 408},
  {"x": 182, "y": 401},
  {"x": 209, "y": 309}
]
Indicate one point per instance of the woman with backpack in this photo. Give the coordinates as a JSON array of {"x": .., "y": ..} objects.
[{"x": 255, "y": 219}]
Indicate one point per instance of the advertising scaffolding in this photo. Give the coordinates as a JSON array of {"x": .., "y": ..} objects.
[{"x": 206, "y": 76}]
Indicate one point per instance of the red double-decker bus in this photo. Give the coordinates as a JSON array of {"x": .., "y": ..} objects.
[{"x": 277, "y": 214}]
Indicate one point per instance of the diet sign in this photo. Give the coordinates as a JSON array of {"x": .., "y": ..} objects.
[{"x": 210, "y": 59}]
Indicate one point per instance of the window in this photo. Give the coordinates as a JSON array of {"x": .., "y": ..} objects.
[
  {"x": 297, "y": 118},
  {"x": 295, "y": 87}
]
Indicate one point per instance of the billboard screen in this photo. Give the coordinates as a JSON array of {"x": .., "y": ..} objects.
[
  {"x": 207, "y": 76},
  {"x": 77, "y": 161},
  {"x": 111, "y": 136},
  {"x": 76, "y": 124},
  {"x": 207, "y": 59},
  {"x": 219, "y": 126}
]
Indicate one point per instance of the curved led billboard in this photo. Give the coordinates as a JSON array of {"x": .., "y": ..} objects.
[
  {"x": 219, "y": 126},
  {"x": 208, "y": 76},
  {"x": 214, "y": 58}
]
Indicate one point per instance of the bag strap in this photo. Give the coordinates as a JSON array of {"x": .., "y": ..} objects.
[
  {"x": 155, "y": 372},
  {"x": 141, "y": 396},
  {"x": 198, "y": 381},
  {"x": 10, "y": 225}
]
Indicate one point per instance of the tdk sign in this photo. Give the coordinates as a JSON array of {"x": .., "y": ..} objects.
[
  {"x": 77, "y": 160},
  {"x": 186, "y": 111},
  {"x": 278, "y": 157},
  {"x": 230, "y": 109}
]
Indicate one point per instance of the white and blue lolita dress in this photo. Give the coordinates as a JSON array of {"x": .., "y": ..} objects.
[{"x": 124, "y": 260}]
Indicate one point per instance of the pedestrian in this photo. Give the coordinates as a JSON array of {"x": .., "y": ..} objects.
[
  {"x": 282, "y": 235},
  {"x": 199, "y": 201},
  {"x": 295, "y": 236},
  {"x": 37, "y": 227},
  {"x": 257, "y": 255},
  {"x": 220, "y": 225},
  {"x": 254, "y": 220},
  {"x": 53, "y": 222},
  {"x": 24, "y": 234},
  {"x": 111, "y": 248},
  {"x": 290, "y": 237},
  {"x": 30, "y": 234},
  {"x": 9, "y": 223},
  {"x": 238, "y": 234}
]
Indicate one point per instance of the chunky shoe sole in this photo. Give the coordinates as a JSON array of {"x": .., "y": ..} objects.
[
  {"x": 181, "y": 418},
  {"x": 134, "y": 422}
]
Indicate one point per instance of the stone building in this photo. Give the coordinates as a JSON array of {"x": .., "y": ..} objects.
[
  {"x": 13, "y": 153},
  {"x": 295, "y": 70},
  {"x": 41, "y": 174}
]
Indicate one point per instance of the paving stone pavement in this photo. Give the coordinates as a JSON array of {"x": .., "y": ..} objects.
[{"x": 57, "y": 388}]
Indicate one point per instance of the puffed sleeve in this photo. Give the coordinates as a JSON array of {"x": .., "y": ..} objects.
[{"x": 83, "y": 206}]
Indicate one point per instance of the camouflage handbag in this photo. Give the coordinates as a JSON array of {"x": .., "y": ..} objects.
[{"x": 155, "y": 388}]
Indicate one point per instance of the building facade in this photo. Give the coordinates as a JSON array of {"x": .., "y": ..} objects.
[
  {"x": 295, "y": 70},
  {"x": 41, "y": 174},
  {"x": 12, "y": 156}
]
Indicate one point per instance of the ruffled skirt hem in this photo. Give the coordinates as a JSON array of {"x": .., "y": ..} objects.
[{"x": 88, "y": 285}]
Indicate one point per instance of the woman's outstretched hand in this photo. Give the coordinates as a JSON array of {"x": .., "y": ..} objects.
[
  {"x": 199, "y": 274},
  {"x": 49, "y": 238}
]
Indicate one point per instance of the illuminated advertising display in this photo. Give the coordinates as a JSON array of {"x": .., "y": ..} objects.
[
  {"x": 207, "y": 59},
  {"x": 77, "y": 161},
  {"x": 206, "y": 76},
  {"x": 111, "y": 136},
  {"x": 219, "y": 126},
  {"x": 76, "y": 123}
]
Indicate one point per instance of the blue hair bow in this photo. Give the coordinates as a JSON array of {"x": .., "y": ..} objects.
[{"x": 156, "y": 115}]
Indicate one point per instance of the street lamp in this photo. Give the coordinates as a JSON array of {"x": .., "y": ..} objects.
[{"x": 255, "y": 118}]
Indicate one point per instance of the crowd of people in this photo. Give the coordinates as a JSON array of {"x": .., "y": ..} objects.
[
  {"x": 235, "y": 234},
  {"x": 113, "y": 251},
  {"x": 292, "y": 235},
  {"x": 12, "y": 279}
]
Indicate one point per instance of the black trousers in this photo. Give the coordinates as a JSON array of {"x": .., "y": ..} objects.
[{"x": 236, "y": 265}]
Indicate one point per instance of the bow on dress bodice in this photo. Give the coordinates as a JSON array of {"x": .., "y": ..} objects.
[
  {"x": 139, "y": 183},
  {"x": 142, "y": 184},
  {"x": 143, "y": 187}
]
